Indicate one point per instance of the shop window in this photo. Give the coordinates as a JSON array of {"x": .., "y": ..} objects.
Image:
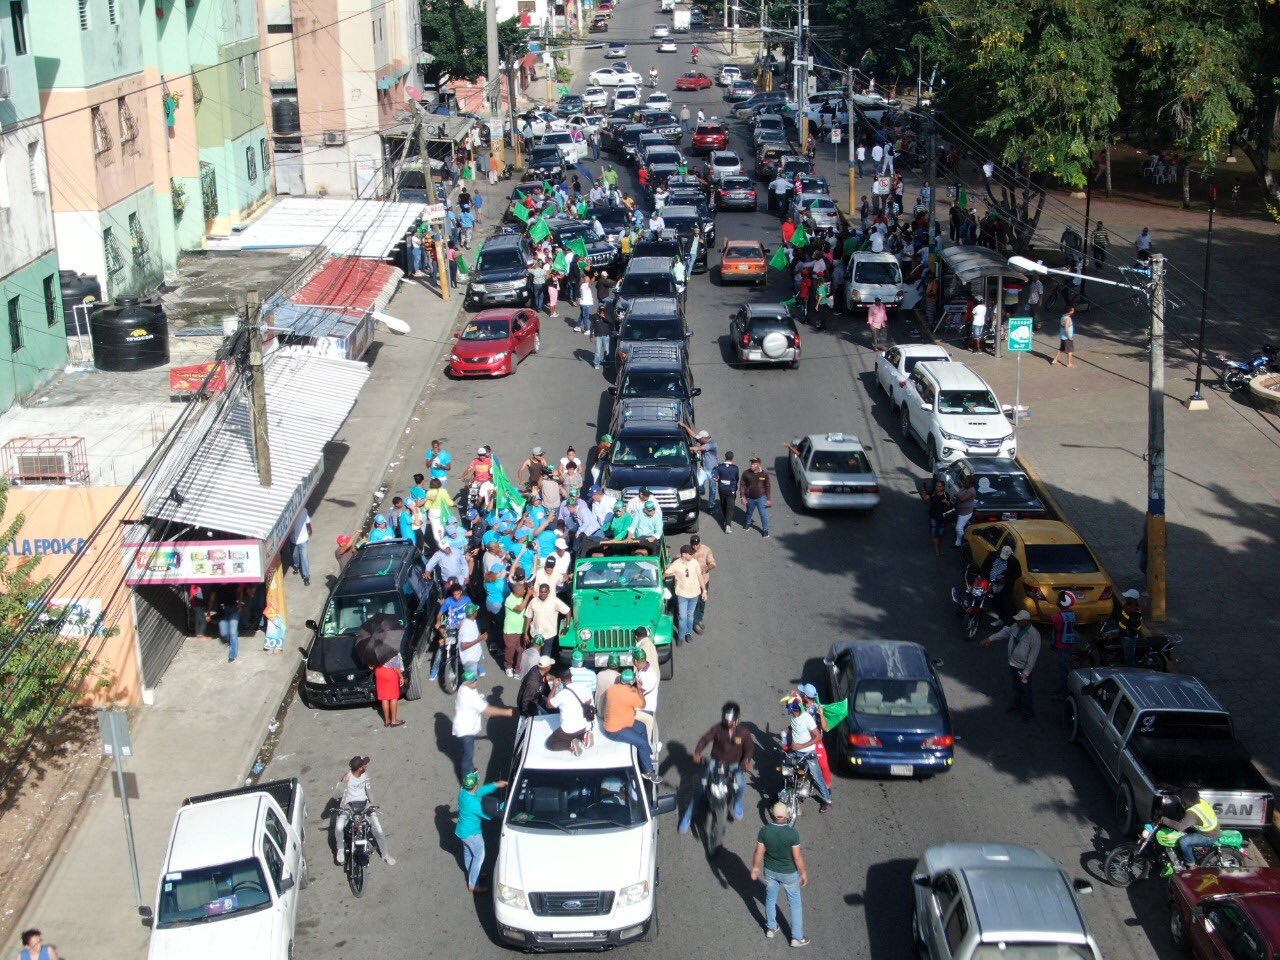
[
  {"x": 15, "y": 324},
  {"x": 51, "y": 299}
]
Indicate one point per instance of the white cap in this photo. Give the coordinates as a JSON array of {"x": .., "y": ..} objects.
[
  {"x": 1022, "y": 616},
  {"x": 561, "y": 543},
  {"x": 482, "y": 451}
]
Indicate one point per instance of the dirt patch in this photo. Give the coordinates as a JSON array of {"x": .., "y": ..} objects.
[{"x": 40, "y": 805}]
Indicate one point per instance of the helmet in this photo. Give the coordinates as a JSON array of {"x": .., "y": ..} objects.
[
  {"x": 470, "y": 780},
  {"x": 730, "y": 712}
]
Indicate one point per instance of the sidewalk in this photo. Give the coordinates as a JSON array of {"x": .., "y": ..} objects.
[
  {"x": 210, "y": 718},
  {"x": 1087, "y": 438}
]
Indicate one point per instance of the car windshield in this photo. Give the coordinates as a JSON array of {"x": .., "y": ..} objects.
[
  {"x": 896, "y": 698},
  {"x": 618, "y": 574},
  {"x": 413, "y": 180},
  {"x": 1004, "y": 488},
  {"x": 558, "y": 138},
  {"x": 647, "y": 285},
  {"x": 664, "y": 156},
  {"x": 574, "y": 231},
  {"x": 797, "y": 166},
  {"x": 681, "y": 223},
  {"x": 611, "y": 218},
  {"x": 345, "y": 615},
  {"x": 743, "y": 251},
  {"x": 570, "y": 800},
  {"x": 650, "y": 451},
  {"x": 663, "y": 119},
  {"x": 651, "y": 328},
  {"x": 1060, "y": 558},
  {"x": 485, "y": 330},
  {"x": 822, "y": 204},
  {"x": 967, "y": 401},
  {"x": 546, "y": 154},
  {"x": 709, "y": 130},
  {"x": 1031, "y": 951},
  {"x": 871, "y": 271},
  {"x": 839, "y": 461},
  {"x": 212, "y": 893},
  {"x": 499, "y": 260},
  {"x": 654, "y": 383}
]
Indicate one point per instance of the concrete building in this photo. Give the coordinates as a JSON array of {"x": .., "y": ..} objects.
[
  {"x": 35, "y": 344},
  {"x": 337, "y": 72}
]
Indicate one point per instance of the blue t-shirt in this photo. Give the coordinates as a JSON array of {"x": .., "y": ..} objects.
[
  {"x": 547, "y": 542},
  {"x": 418, "y": 494},
  {"x": 378, "y": 534},
  {"x": 406, "y": 525},
  {"x": 539, "y": 515},
  {"x": 454, "y": 611},
  {"x": 496, "y": 591},
  {"x": 490, "y": 535},
  {"x": 439, "y": 465},
  {"x": 467, "y": 219},
  {"x": 471, "y": 811}
]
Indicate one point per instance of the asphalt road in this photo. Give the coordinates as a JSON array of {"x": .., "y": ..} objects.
[{"x": 776, "y": 607}]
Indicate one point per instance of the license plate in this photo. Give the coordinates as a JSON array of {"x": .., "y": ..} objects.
[
  {"x": 589, "y": 934},
  {"x": 901, "y": 770},
  {"x": 742, "y": 268}
]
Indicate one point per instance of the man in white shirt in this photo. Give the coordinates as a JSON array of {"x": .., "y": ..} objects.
[
  {"x": 1035, "y": 294},
  {"x": 635, "y": 505},
  {"x": 978, "y": 327},
  {"x": 779, "y": 187},
  {"x": 470, "y": 709},
  {"x": 861, "y": 155},
  {"x": 877, "y": 241},
  {"x": 656, "y": 224},
  {"x": 563, "y": 559},
  {"x": 301, "y": 537},
  {"x": 569, "y": 700},
  {"x": 877, "y": 156},
  {"x": 542, "y": 616},
  {"x": 646, "y": 679},
  {"x": 989, "y": 170},
  {"x": 471, "y": 641},
  {"x": 586, "y": 301},
  {"x": 354, "y": 788},
  {"x": 602, "y": 505},
  {"x": 804, "y": 740}
]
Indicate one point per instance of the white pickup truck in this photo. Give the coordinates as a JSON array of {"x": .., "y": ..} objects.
[
  {"x": 229, "y": 887},
  {"x": 577, "y": 864}
]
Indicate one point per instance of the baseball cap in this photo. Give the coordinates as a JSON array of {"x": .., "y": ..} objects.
[
  {"x": 615, "y": 661},
  {"x": 469, "y": 676},
  {"x": 472, "y": 609},
  {"x": 650, "y": 506},
  {"x": 638, "y": 655},
  {"x": 1022, "y": 616},
  {"x": 607, "y": 438},
  {"x": 695, "y": 540},
  {"x": 1131, "y": 595},
  {"x": 343, "y": 540},
  {"x": 562, "y": 543},
  {"x": 545, "y": 662},
  {"x": 619, "y": 508},
  {"x": 482, "y": 451},
  {"x": 754, "y": 459},
  {"x": 472, "y": 513},
  {"x": 379, "y": 518},
  {"x": 628, "y": 675},
  {"x": 594, "y": 490},
  {"x": 644, "y": 491},
  {"x": 577, "y": 659},
  {"x": 538, "y": 452},
  {"x": 356, "y": 762},
  {"x": 470, "y": 780},
  {"x": 408, "y": 502},
  {"x": 573, "y": 498},
  {"x": 703, "y": 434},
  {"x": 808, "y": 690}
]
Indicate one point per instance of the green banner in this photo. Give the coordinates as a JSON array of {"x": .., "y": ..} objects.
[
  {"x": 561, "y": 263},
  {"x": 779, "y": 259},
  {"x": 578, "y": 246},
  {"x": 539, "y": 231},
  {"x": 462, "y": 265},
  {"x": 521, "y": 212},
  {"x": 799, "y": 238}
]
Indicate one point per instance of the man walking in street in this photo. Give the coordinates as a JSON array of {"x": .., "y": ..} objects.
[
  {"x": 754, "y": 490},
  {"x": 726, "y": 475},
  {"x": 689, "y": 589},
  {"x": 470, "y": 709},
  {"x": 586, "y": 301},
  {"x": 707, "y": 560},
  {"x": 1022, "y": 648},
  {"x": 861, "y": 157},
  {"x": 684, "y": 118},
  {"x": 781, "y": 864},
  {"x": 1101, "y": 243},
  {"x": 1035, "y": 296},
  {"x": 601, "y": 331},
  {"x": 708, "y": 452}
]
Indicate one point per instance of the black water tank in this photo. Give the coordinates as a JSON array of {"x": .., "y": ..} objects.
[
  {"x": 284, "y": 116},
  {"x": 77, "y": 289},
  {"x": 130, "y": 334}
]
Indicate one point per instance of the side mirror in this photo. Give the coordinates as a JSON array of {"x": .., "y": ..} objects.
[
  {"x": 287, "y": 883},
  {"x": 936, "y": 661},
  {"x": 795, "y": 441},
  {"x": 613, "y": 391},
  {"x": 695, "y": 392},
  {"x": 1082, "y": 886},
  {"x": 665, "y": 804},
  {"x": 921, "y": 880},
  {"x": 827, "y": 662},
  {"x": 148, "y": 918},
  {"x": 312, "y": 625}
]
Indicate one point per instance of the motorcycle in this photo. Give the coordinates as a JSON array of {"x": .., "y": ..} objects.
[
  {"x": 1236, "y": 374},
  {"x": 973, "y": 601},
  {"x": 1130, "y": 862},
  {"x": 450, "y": 662},
  {"x": 1106, "y": 649},
  {"x": 653, "y": 79},
  {"x": 357, "y": 841},
  {"x": 797, "y": 782},
  {"x": 508, "y": 170},
  {"x": 694, "y": 56},
  {"x": 716, "y": 788}
]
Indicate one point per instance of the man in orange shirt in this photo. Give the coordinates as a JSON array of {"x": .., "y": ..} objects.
[{"x": 621, "y": 701}]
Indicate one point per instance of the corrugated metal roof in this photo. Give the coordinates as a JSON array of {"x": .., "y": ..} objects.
[
  {"x": 973, "y": 263},
  {"x": 351, "y": 282},
  {"x": 355, "y": 228},
  {"x": 307, "y": 320},
  {"x": 308, "y": 398}
]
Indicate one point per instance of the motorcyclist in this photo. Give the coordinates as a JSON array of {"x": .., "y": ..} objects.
[
  {"x": 653, "y": 76},
  {"x": 1003, "y": 570},
  {"x": 480, "y": 472},
  {"x": 354, "y": 788},
  {"x": 1198, "y": 826},
  {"x": 453, "y": 610},
  {"x": 731, "y": 745},
  {"x": 1129, "y": 625},
  {"x": 803, "y": 736},
  {"x": 695, "y": 53}
]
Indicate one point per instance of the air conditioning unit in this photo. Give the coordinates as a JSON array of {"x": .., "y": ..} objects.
[
  {"x": 4, "y": 82},
  {"x": 334, "y": 138}
]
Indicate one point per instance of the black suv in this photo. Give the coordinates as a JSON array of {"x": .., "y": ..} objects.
[
  {"x": 693, "y": 197},
  {"x": 654, "y": 453},
  {"x": 645, "y": 277},
  {"x": 600, "y": 252},
  {"x": 657, "y": 371},
  {"x": 687, "y": 224},
  {"x": 546, "y": 161},
  {"x": 383, "y": 580},
  {"x": 614, "y": 221},
  {"x": 621, "y": 140},
  {"x": 651, "y": 320},
  {"x": 665, "y": 123},
  {"x": 501, "y": 273}
]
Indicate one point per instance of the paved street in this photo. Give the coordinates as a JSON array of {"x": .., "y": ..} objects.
[{"x": 776, "y": 606}]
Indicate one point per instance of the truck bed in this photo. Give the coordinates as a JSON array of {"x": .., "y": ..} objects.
[
  {"x": 284, "y": 792},
  {"x": 1214, "y": 765}
]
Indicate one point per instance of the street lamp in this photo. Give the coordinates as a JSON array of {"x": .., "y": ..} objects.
[
  {"x": 1196, "y": 401},
  {"x": 1155, "y": 526}
]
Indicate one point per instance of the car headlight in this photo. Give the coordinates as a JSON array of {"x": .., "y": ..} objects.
[
  {"x": 855, "y": 294},
  {"x": 455, "y": 358},
  {"x": 584, "y": 635},
  {"x": 690, "y": 494},
  {"x": 317, "y": 678},
  {"x": 512, "y": 897},
  {"x": 633, "y": 894},
  {"x": 477, "y": 288},
  {"x": 500, "y": 356}
]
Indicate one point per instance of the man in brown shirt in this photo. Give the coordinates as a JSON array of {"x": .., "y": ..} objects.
[
  {"x": 754, "y": 490},
  {"x": 731, "y": 744},
  {"x": 707, "y": 560}
]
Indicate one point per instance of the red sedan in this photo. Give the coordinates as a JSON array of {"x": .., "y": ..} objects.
[
  {"x": 693, "y": 80},
  {"x": 494, "y": 341},
  {"x": 1212, "y": 912}
]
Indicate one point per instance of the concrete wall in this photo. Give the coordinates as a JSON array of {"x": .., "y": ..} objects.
[
  {"x": 26, "y": 223},
  {"x": 81, "y": 243},
  {"x": 70, "y": 55},
  {"x": 44, "y": 344}
]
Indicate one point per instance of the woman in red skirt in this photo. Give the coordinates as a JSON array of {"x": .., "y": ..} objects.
[{"x": 387, "y": 680}]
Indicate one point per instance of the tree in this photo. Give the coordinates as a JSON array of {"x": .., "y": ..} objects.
[
  {"x": 454, "y": 34},
  {"x": 42, "y": 672}
]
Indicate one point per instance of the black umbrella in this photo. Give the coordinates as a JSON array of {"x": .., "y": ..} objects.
[{"x": 378, "y": 640}]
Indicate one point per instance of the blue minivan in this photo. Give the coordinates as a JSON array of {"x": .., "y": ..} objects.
[{"x": 898, "y": 723}]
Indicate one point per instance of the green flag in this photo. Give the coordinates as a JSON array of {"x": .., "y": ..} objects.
[
  {"x": 779, "y": 259},
  {"x": 582, "y": 210},
  {"x": 834, "y": 713},
  {"x": 462, "y": 265},
  {"x": 564, "y": 91},
  {"x": 789, "y": 303},
  {"x": 560, "y": 264},
  {"x": 506, "y": 496},
  {"x": 519, "y": 194},
  {"x": 447, "y": 512},
  {"x": 578, "y": 246},
  {"x": 799, "y": 238},
  {"x": 539, "y": 231},
  {"x": 546, "y": 185},
  {"x": 521, "y": 212}
]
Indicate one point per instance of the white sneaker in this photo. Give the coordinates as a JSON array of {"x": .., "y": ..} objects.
[
  {"x": 390, "y": 861},
  {"x": 342, "y": 856},
  {"x": 510, "y": 672}
]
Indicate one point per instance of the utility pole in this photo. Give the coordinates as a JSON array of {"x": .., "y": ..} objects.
[
  {"x": 1155, "y": 447},
  {"x": 802, "y": 48},
  {"x": 933, "y": 192},
  {"x": 1088, "y": 212},
  {"x": 511, "y": 104},
  {"x": 491, "y": 51},
  {"x": 919, "y": 74},
  {"x": 425, "y": 157},
  {"x": 257, "y": 390},
  {"x": 1196, "y": 401},
  {"x": 733, "y": 29},
  {"x": 853, "y": 144}
]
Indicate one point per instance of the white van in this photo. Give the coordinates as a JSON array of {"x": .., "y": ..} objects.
[
  {"x": 577, "y": 864},
  {"x": 870, "y": 275}
]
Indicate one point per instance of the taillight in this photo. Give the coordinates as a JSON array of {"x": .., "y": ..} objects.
[
  {"x": 870, "y": 489},
  {"x": 1032, "y": 591},
  {"x": 1106, "y": 593},
  {"x": 940, "y": 742},
  {"x": 752, "y": 192},
  {"x": 814, "y": 491},
  {"x": 795, "y": 341},
  {"x": 724, "y": 192},
  {"x": 902, "y": 383},
  {"x": 864, "y": 740},
  {"x": 746, "y": 339}
]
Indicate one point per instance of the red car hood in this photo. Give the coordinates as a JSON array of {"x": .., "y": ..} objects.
[{"x": 480, "y": 348}]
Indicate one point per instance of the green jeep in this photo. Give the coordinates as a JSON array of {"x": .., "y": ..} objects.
[{"x": 617, "y": 587}]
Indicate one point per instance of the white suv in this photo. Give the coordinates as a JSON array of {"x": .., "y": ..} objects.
[
  {"x": 577, "y": 858},
  {"x": 952, "y": 412}
]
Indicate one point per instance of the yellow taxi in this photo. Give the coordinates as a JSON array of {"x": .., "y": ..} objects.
[{"x": 1050, "y": 557}]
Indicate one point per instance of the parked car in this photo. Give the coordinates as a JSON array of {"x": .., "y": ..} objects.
[
  {"x": 708, "y": 137},
  {"x": 615, "y": 77},
  {"x": 728, "y": 73},
  {"x": 952, "y": 412},
  {"x": 764, "y": 333},
  {"x": 871, "y": 275},
  {"x": 898, "y": 723},
  {"x": 895, "y": 364},
  {"x": 739, "y": 90},
  {"x": 1004, "y": 491},
  {"x": 693, "y": 80},
  {"x": 595, "y": 96},
  {"x": 1226, "y": 913},
  {"x": 819, "y": 207},
  {"x": 383, "y": 580},
  {"x": 1052, "y": 558},
  {"x": 501, "y": 272},
  {"x": 970, "y": 902},
  {"x": 1150, "y": 731},
  {"x": 832, "y": 470},
  {"x": 494, "y": 342},
  {"x": 231, "y": 875},
  {"x": 743, "y": 261},
  {"x": 736, "y": 193}
]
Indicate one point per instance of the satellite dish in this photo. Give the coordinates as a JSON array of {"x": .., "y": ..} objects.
[{"x": 394, "y": 324}]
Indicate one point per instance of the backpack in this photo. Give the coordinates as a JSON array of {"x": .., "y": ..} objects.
[{"x": 1067, "y": 629}]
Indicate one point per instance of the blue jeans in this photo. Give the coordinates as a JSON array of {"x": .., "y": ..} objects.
[
  {"x": 229, "y": 630},
  {"x": 473, "y": 858},
  {"x": 739, "y": 791},
  {"x": 815, "y": 771},
  {"x": 791, "y": 883},
  {"x": 539, "y": 291},
  {"x": 757, "y": 503},
  {"x": 1187, "y": 846},
  {"x": 638, "y": 737},
  {"x": 686, "y": 610},
  {"x": 584, "y": 317},
  {"x": 468, "y": 762},
  {"x": 302, "y": 559},
  {"x": 602, "y": 352}
]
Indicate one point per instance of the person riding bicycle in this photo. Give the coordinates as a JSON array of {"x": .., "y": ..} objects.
[
  {"x": 732, "y": 745},
  {"x": 352, "y": 789},
  {"x": 1198, "y": 824},
  {"x": 453, "y": 610}
]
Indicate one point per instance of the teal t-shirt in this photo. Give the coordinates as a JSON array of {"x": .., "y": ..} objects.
[
  {"x": 778, "y": 841},
  {"x": 471, "y": 811}
]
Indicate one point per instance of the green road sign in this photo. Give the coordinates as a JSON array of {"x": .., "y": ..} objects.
[{"x": 1019, "y": 334}]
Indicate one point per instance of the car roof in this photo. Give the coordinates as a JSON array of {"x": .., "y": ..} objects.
[
  {"x": 648, "y": 265},
  {"x": 886, "y": 659},
  {"x": 1150, "y": 690},
  {"x": 375, "y": 568},
  {"x": 1042, "y": 531},
  {"x": 503, "y": 240},
  {"x": 655, "y": 306},
  {"x": 647, "y": 428},
  {"x": 647, "y": 410},
  {"x": 953, "y": 376},
  {"x": 835, "y": 441},
  {"x": 214, "y": 832},
  {"x": 655, "y": 353},
  {"x": 923, "y": 350},
  {"x": 602, "y": 754},
  {"x": 992, "y": 465},
  {"x": 766, "y": 310},
  {"x": 1255, "y": 890}
]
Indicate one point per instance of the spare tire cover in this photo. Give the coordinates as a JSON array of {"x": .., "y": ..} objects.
[{"x": 775, "y": 344}]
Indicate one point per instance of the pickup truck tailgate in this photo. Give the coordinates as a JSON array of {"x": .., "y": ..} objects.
[
  {"x": 1239, "y": 809},
  {"x": 1221, "y": 770},
  {"x": 283, "y": 792}
]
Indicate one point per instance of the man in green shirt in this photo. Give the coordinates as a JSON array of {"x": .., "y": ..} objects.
[
  {"x": 618, "y": 527},
  {"x": 470, "y": 830},
  {"x": 513, "y": 623},
  {"x": 778, "y": 857}
]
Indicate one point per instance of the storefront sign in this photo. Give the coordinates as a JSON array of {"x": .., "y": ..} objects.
[
  {"x": 194, "y": 561},
  {"x": 43, "y": 546},
  {"x": 81, "y": 618},
  {"x": 288, "y": 516},
  {"x": 191, "y": 378}
]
